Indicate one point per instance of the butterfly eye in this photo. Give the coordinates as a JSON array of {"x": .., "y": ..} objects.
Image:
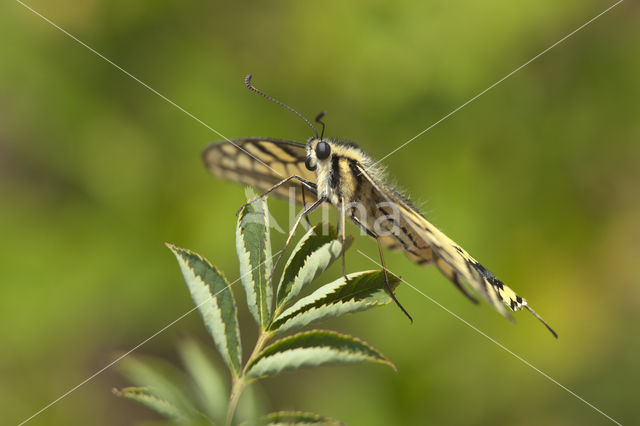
[
  {"x": 323, "y": 150},
  {"x": 308, "y": 165}
]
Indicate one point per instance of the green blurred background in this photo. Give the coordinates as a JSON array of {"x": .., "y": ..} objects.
[{"x": 538, "y": 179}]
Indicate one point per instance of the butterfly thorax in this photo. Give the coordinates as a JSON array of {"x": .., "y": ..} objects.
[{"x": 338, "y": 178}]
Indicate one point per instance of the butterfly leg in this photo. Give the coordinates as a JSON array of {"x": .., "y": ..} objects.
[
  {"x": 304, "y": 204},
  {"x": 308, "y": 210},
  {"x": 304, "y": 182},
  {"x": 386, "y": 281},
  {"x": 343, "y": 234},
  {"x": 384, "y": 268}
]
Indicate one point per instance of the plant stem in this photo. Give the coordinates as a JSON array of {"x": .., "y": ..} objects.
[
  {"x": 236, "y": 391},
  {"x": 241, "y": 382},
  {"x": 262, "y": 339}
]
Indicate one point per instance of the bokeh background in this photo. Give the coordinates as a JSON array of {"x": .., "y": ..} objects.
[{"x": 538, "y": 179}]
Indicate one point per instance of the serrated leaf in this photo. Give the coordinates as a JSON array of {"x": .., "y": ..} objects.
[
  {"x": 162, "y": 380},
  {"x": 212, "y": 391},
  {"x": 213, "y": 298},
  {"x": 364, "y": 290},
  {"x": 254, "y": 253},
  {"x": 297, "y": 418},
  {"x": 148, "y": 398},
  {"x": 313, "y": 254},
  {"x": 311, "y": 349}
]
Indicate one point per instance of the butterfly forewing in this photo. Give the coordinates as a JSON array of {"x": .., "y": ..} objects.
[
  {"x": 425, "y": 244},
  {"x": 260, "y": 163}
]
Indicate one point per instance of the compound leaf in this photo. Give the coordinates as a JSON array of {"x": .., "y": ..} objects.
[
  {"x": 364, "y": 290},
  {"x": 311, "y": 349},
  {"x": 212, "y": 296}
]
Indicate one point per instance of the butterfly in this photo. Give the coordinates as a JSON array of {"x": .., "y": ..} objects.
[{"x": 342, "y": 174}]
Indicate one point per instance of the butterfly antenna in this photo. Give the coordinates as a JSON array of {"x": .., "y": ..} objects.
[
  {"x": 542, "y": 321},
  {"x": 247, "y": 82},
  {"x": 319, "y": 120}
]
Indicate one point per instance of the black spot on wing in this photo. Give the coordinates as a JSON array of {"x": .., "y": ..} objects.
[{"x": 495, "y": 282}]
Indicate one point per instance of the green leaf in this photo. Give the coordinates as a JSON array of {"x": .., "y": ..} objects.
[
  {"x": 214, "y": 300},
  {"x": 148, "y": 398},
  {"x": 311, "y": 349},
  {"x": 313, "y": 254},
  {"x": 212, "y": 390},
  {"x": 297, "y": 418},
  {"x": 364, "y": 290},
  {"x": 254, "y": 253},
  {"x": 162, "y": 381}
]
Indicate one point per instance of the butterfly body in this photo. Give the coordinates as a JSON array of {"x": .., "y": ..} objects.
[{"x": 345, "y": 176}]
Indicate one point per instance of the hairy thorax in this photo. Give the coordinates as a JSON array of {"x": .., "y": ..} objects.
[{"x": 338, "y": 178}]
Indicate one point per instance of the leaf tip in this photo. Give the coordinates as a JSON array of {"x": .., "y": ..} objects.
[
  {"x": 391, "y": 364},
  {"x": 172, "y": 247},
  {"x": 180, "y": 252}
]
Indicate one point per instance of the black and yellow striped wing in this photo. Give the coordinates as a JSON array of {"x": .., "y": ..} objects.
[
  {"x": 260, "y": 163},
  {"x": 425, "y": 244}
]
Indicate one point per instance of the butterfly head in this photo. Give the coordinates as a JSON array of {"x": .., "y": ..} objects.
[{"x": 318, "y": 153}]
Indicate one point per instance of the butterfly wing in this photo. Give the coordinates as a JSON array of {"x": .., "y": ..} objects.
[
  {"x": 425, "y": 244},
  {"x": 261, "y": 163}
]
